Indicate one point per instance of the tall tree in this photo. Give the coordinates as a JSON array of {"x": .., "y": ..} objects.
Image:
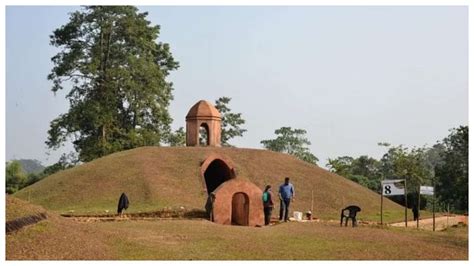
[
  {"x": 363, "y": 170},
  {"x": 177, "y": 138},
  {"x": 341, "y": 165},
  {"x": 453, "y": 173},
  {"x": 116, "y": 73},
  {"x": 293, "y": 142},
  {"x": 231, "y": 122}
]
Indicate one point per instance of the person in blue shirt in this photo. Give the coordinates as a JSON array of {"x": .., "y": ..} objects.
[{"x": 286, "y": 194}]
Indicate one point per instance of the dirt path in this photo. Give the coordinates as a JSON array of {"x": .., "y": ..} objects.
[{"x": 441, "y": 222}]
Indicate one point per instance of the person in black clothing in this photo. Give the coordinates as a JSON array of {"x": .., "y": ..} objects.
[
  {"x": 267, "y": 203},
  {"x": 122, "y": 204},
  {"x": 416, "y": 214},
  {"x": 210, "y": 205}
]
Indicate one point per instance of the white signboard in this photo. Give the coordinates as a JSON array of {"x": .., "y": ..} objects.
[
  {"x": 393, "y": 187},
  {"x": 426, "y": 190}
]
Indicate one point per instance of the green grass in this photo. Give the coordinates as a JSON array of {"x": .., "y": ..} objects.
[
  {"x": 62, "y": 238},
  {"x": 183, "y": 240},
  {"x": 158, "y": 177}
]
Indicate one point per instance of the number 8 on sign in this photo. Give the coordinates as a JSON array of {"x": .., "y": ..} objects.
[{"x": 387, "y": 190}]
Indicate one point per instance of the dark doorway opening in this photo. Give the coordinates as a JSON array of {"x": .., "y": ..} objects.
[
  {"x": 204, "y": 135},
  {"x": 216, "y": 173},
  {"x": 240, "y": 209}
]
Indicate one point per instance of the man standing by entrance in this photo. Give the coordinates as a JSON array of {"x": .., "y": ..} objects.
[{"x": 286, "y": 194}]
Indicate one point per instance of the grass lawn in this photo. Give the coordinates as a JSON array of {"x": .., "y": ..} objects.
[
  {"x": 60, "y": 238},
  {"x": 295, "y": 241}
]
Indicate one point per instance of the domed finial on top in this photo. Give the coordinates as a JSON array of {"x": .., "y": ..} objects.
[{"x": 203, "y": 114}]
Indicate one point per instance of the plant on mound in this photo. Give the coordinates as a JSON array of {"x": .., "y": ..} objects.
[
  {"x": 293, "y": 142},
  {"x": 231, "y": 122},
  {"x": 116, "y": 75}
]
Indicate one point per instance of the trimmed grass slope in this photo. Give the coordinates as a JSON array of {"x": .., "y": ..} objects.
[
  {"x": 159, "y": 177},
  {"x": 16, "y": 208},
  {"x": 52, "y": 238}
]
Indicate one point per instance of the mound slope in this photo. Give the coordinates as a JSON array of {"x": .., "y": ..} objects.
[
  {"x": 52, "y": 238},
  {"x": 159, "y": 177}
]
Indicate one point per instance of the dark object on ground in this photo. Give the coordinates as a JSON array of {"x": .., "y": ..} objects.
[
  {"x": 416, "y": 214},
  {"x": 122, "y": 204},
  {"x": 350, "y": 212},
  {"x": 210, "y": 206},
  {"x": 415, "y": 210}
]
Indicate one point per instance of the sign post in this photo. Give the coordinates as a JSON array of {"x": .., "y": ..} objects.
[
  {"x": 434, "y": 203},
  {"x": 381, "y": 207},
  {"x": 405, "y": 185},
  {"x": 389, "y": 188},
  {"x": 418, "y": 207}
]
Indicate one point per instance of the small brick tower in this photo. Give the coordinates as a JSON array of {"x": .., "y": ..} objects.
[{"x": 203, "y": 114}]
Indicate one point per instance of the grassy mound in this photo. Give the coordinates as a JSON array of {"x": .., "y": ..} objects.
[
  {"x": 159, "y": 177},
  {"x": 51, "y": 238},
  {"x": 16, "y": 208}
]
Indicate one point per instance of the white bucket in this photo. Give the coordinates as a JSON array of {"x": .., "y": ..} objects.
[{"x": 298, "y": 216}]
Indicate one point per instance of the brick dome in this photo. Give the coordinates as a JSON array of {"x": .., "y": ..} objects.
[{"x": 203, "y": 109}]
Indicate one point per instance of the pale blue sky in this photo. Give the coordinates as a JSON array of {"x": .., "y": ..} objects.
[{"x": 350, "y": 76}]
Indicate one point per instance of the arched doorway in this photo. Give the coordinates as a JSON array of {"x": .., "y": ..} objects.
[
  {"x": 240, "y": 209},
  {"x": 216, "y": 173},
  {"x": 204, "y": 135}
]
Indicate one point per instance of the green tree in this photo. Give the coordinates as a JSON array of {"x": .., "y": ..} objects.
[
  {"x": 15, "y": 176},
  {"x": 365, "y": 181},
  {"x": 177, "y": 138},
  {"x": 293, "y": 142},
  {"x": 116, "y": 73},
  {"x": 231, "y": 122},
  {"x": 363, "y": 170},
  {"x": 366, "y": 166},
  {"x": 453, "y": 173},
  {"x": 341, "y": 165}
]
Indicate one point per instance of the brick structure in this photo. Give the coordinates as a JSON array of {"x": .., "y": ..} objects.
[
  {"x": 203, "y": 114},
  {"x": 238, "y": 202}
]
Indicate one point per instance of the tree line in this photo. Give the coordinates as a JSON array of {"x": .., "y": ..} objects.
[{"x": 443, "y": 165}]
